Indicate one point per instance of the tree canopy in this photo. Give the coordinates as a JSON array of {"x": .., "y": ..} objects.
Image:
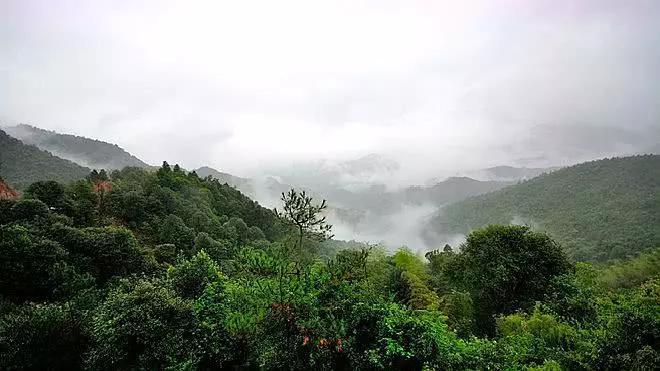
[{"x": 164, "y": 270}]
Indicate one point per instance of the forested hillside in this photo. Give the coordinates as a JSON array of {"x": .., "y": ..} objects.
[
  {"x": 165, "y": 270},
  {"x": 243, "y": 184},
  {"x": 91, "y": 153},
  {"x": 510, "y": 173},
  {"x": 598, "y": 210},
  {"x": 22, "y": 164},
  {"x": 451, "y": 190}
]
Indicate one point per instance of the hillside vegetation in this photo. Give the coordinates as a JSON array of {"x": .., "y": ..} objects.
[
  {"x": 599, "y": 210},
  {"x": 451, "y": 190},
  {"x": 22, "y": 164},
  {"x": 245, "y": 185},
  {"x": 87, "y": 152},
  {"x": 166, "y": 270}
]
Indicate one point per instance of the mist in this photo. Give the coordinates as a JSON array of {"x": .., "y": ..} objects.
[{"x": 251, "y": 86}]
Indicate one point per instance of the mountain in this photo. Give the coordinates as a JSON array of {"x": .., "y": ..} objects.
[
  {"x": 369, "y": 211},
  {"x": 451, "y": 190},
  {"x": 87, "y": 152},
  {"x": 396, "y": 217},
  {"x": 22, "y": 164},
  {"x": 330, "y": 175},
  {"x": 367, "y": 165},
  {"x": 245, "y": 185},
  {"x": 597, "y": 210},
  {"x": 511, "y": 173}
]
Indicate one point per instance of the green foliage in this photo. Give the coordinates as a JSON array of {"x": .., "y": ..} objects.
[
  {"x": 459, "y": 309},
  {"x": 534, "y": 339},
  {"x": 411, "y": 341},
  {"x": 599, "y": 210},
  {"x": 90, "y": 152},
  {"x": 574, "y": 296},
  {"x": 219, "y": 250},
  {"x": 633, "y": 272},
  {"x": 301, "y": 213},
  {"x": 29, "y": 264},
  {"x": 141, "y": 325},
  {"x": 173, "y": 230},
  {"x": 28, "y": 210},
  {"x": 84, "y": 209},
  {"x": 23, "y": 164},
  {"x": 190, "y": 277},
  {"x": 632, "y": 330},
  {"x": 506, "y": 269},
  {"x": 147, "y": 201},
  {"x": 52, "y": 194},
  {"x": 164, "y": 270},
  {"x": 103, "y": 252},
  {"x": 5, "y": 211},
  {"x": 42, "y": 337}
]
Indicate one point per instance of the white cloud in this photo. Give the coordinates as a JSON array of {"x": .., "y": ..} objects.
[{"x": 237, "y": 85}]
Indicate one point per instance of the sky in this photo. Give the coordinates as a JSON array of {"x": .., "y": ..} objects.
[{"x": 247, "y": 85}]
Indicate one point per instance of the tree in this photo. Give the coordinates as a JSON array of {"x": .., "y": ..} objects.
[
  {"x": 174, "y": 230},
  {"x": 85, "y": 202},
  {"x": 52, "y": 194},
  {"x": 410, "y": 281},
  {"x": 300, "y": 211},
  {"x": 190, "y": 277},
  {"x": 505, "y": 269},
  {"x": 142, "y": 325},
  {"x": 42, "y": 337},
  {"x": 29, "y": 264},
  {"x": 219, "y": 250},
  {"x": 103, "y": 252},
  {"x": 28, "y": 210}
]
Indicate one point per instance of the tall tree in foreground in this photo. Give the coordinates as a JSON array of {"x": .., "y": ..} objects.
[{"x": 299, "y": 210}]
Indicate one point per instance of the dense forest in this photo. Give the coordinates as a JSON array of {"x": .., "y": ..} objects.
[
  {"x": 599, "y": 210},
  {"x": 164, "y": 269},
  {"x": 91, "y": 153},
  {"x": 22, "y": 164}
]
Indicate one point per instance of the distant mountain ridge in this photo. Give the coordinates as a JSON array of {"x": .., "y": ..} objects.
[
  {"x": 452, "y": 189},
  {"x": 511, "y": 173},
  {"x": 84, "y": 151},
  {"x": 328, "y": 175},
  {"x": 22, "y": 164},
  {"x": 598, "y": 210}
]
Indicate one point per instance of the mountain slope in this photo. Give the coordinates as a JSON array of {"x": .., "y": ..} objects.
[
  {"x": 597, "y": 210},
  {"x": 22, "y": 164},
  {"x": 510, "y": 173},
  {"x": 87, "y": 152},
  {"x": 451, "y": 190},
  {"x": 243, "y": 184}
]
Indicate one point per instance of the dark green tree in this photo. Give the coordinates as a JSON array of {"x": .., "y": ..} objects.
[
  {"x": 52, "y": 194},
  {"x": 142, "y": 325},
  {"x": 29, "y": 264},
  {"x": 506, "y": 269},
  {"x": 42, "y": 337},
  {"x": 190, "y": 277}
]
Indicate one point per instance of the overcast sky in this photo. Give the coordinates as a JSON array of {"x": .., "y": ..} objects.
[{"x": 245, "y": 84}]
